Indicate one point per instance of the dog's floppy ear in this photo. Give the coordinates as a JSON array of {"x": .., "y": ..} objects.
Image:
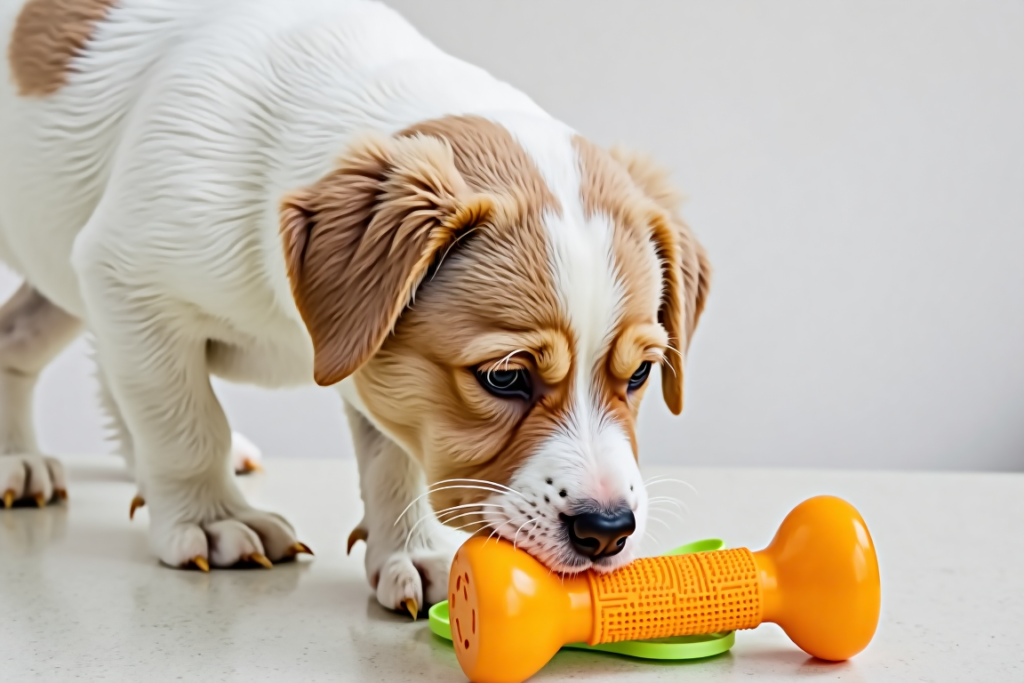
[
  {"x": 688, "y": 273},
  {"x": 358, "y": 242}
]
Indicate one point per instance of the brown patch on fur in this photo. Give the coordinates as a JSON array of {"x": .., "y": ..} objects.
[
  {"x": 636, "y": 344},
  {"x": 551, "y": 356},
  {"x": 638, "y": 198},
  {"x": 492, "y": 295},
  {"x": 358, "y": 242},
  {"x": 423, "y": 258},
  {"x": 653, "y": 179},
  {"x": 47, "y": 36}
]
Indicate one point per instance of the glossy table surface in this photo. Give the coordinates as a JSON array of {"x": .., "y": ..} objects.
[{"x": 82, "y": 598}]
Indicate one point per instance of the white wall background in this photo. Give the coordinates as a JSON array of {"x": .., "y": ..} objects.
[{"x": 856, "y": 171}]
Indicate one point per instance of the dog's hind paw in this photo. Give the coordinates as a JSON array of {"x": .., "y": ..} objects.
[
  {"x": 30, "y": 479},
  {"x": 246, "y": 457}
]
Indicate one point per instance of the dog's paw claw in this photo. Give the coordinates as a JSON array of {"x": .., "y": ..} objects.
[
  {"x": 358, "y": 534},
  {"x": 301, "y": 548},
  {"x": 412, "y": 607},
  {"x": 249, "y": 466},
  {"x": 412, "y": 579},
  {"x": 200, "y": 563},
  {"x": 137, "y": 502},
  {"x": 259, "y": 559}
]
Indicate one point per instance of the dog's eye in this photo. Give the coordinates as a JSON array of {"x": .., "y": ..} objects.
[
  {"x": 508, "y": 383},
  {"x": 640, "y": 376}
]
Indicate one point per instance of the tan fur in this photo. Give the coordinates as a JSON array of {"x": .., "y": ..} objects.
[
  {"x": 358, "y": 242},
  {"x": 653, "y": 179},
  {"x": 634, "y": 345},
  {"x": 47, "y": 36},
  {"x": 636, "y": 193},
  {"x": 412, "y": 289},
  {"x": 492, "y": 296}
]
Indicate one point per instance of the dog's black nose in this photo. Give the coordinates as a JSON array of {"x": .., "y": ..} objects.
[{"x": 600, "y": 534}]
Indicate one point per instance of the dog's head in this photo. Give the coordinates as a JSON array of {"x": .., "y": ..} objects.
[{"x": 498, "y": 295}]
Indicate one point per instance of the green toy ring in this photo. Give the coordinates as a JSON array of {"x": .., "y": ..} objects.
[{"x": 676, "y": 647}]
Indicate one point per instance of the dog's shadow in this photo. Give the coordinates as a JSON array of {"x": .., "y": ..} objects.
[
  {"x": 567, "y": 663},
  {"x": 412, "y": 640},
  {"x": 27, "y": 531}
]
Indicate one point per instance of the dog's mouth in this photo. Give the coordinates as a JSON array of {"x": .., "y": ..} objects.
[
  {"x": 558, "y": 539},
  {"x": 566, "y": 524}
]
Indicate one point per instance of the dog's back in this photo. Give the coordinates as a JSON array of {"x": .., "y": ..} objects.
[{"x": 194, "y": 117}]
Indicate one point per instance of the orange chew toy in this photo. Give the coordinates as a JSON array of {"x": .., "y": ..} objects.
[{"x": 818, "y": 580}]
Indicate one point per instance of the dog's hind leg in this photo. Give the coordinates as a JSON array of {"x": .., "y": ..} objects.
[{"x": 33, "y": 331}]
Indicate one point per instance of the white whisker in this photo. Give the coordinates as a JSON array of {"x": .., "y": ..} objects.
[
  {"x": 658, "y": 500},
  {"x": 453, "y": 508},
  {"x": 409, "y": 536},
  {"x": 429, "y": 515},
  {"x": 507, "y": 522},
  {"x": 665, "y": 499},
  {"x": 670, "y": 512},
  {"x": 464, "y": 514},
  {"x": 477, "y": 481},
  {"x": 443, "y": 488},
  {"x": 654, "y": 481},
  {"x": 479, "y": 521},
  {"x": 652, "y": 518},
  {"x": 677, "y": 352},
  {"x": 515, "y": 539}
]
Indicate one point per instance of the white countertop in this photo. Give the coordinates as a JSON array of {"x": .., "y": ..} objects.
[{"x": 81, "y": 597}]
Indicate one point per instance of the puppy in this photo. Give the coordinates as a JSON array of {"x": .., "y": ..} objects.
[{"x": 285, "y": 191}]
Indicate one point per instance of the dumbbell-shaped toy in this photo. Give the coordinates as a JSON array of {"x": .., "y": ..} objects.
[{"x": 818, "y": 580}]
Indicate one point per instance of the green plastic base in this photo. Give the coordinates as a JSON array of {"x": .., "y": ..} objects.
[{"x": 677, "y": 647}]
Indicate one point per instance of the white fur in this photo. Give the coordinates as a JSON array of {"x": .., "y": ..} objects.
[
  {"x": 591, "y": 458},
  {"x": 143, "y": 198}
]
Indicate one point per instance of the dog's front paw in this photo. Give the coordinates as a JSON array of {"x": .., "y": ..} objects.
[
  {"x": 412, "y": 576},
  {"x": 31, "y": 478},
  {"x": 225, "y": 536}
]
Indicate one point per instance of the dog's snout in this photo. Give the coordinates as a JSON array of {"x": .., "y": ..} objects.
[{"x": 600, "y": 534}]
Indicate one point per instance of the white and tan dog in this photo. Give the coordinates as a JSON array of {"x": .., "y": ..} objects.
[{"x": 283, "y": 191}]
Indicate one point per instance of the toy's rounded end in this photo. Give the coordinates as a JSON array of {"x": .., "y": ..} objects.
[
  {"x": 509, "y": 614},
  {"x": 820, "y": 579}
]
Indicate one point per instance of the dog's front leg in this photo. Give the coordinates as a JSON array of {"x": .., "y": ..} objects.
[
  {"x": 153, "y": 354},
  {"x": 408, "y": 552}
]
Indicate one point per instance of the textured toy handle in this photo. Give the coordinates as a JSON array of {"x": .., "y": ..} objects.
[{"x": 658, "y": 597}]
